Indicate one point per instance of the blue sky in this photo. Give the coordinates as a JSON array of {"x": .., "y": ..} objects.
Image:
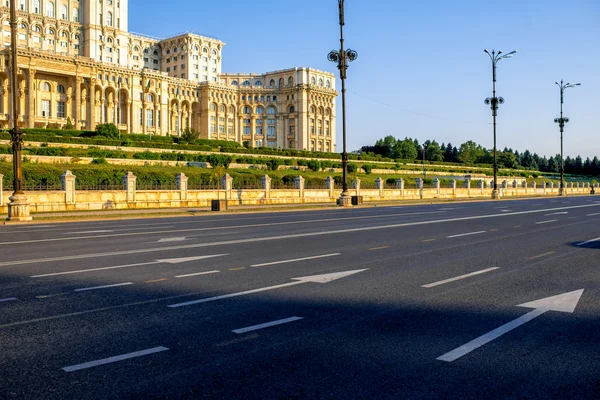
[{"x": 421, "y": 70}]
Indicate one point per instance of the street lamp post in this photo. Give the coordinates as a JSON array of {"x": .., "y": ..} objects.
[
  {"x": 342, "y": 57},
  {"x": 18, "y": 208},
  {"x": 494, "y": 102},
  {"x": 561, "y": 123},
  {"x": 424, "y": 171}
]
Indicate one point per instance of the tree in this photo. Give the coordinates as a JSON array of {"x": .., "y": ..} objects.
[
  {"x": 69, "y": 124},
  {"x": 553, "y": 166},
  {"x": 470, "y": 152},
  {"x": 434, "y": 152},
  {"x": 449, "y": 153},
  {"x": 405, "y": 149},
  {"x": 189, "y": 135},
  {"x": 219, "y": 160},
  {"x": 507, "y": 159}
]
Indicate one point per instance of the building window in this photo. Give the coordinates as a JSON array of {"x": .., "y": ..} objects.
[
  {"x": 60, "y": 89},
  {"x": 109, "y": 19},
  {"x": 149, "y": 117},
  {"x": 46, "y": 108},
  {"x": 63, "y": 13},
  {"x": 36, "y": 6},
  {"x": 50, "y": 10},
  {"x": 60, "y": 109}
]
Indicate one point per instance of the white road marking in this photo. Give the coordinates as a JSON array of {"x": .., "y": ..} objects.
[
  {"x": 270, "y": 238},
  {"x": 557, "y": 213},
  {"x": 483, "y": 271},
  {"x": 173, "y": 239},
  {"x": 168, "y": 261},
  {"x": 8, "y": 299},
  {"x": 295, "y": 260},
  {"x": 465, "y": 234},
  {"x": 109, "y": 360},
  {"x": 103, "y": 287},
  {"x": 505, "y": 210},
  {"x": 266, "y": 325},
  {"x": 546, "y": 222},
  {"x": 197, "y": 273},
  {"x": 588, "y": 242},
  {"x": 591, "y": 215},
  {"x": 325, "y": 278},
  {"x": 84, "y": 232}
]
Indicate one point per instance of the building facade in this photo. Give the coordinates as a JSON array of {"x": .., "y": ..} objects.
[{"x": 78, "y": 62}]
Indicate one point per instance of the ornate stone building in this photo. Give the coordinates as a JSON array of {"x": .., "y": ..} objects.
[{"x": 78, "y": 61}]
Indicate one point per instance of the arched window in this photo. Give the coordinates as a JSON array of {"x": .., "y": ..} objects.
[
  {"x": 63, "y": 12},
  {"x": 290, "y": 81},
  {"x": 312, "y": 109},
  {"x": 222, "y": 108},
  {"x": 109, "y": 21},
  {"x": 50, "y": 10},
  {"x": 150, "y": 98},
  {"x": 258, "y": 83},
  {"x": 232, "y": 109},
  {"x": 246, "y": 83},
  {"x": 109, "y": 40},
  {"x": 22, "y": 5},
  {"x": 75, "y": 15},
  {"x": 234, "y": 83},
  {"x": 214, "y": 52},
  {"x": 247, "y": 110},
  {"x": 272, "y": 82},
  {"x": 205, "y": 50},
  {"x": 328, "y": 84},
  {"x": 36, "y": 6},
  {"x": 155, "y": 53},
  {"x": 45, "y": 87},
  {"x": 136, "y": 49},
  {"x": 271, "y": 111},
  {"x": 259, "y": 110},
  {"x": 22, "y": 25},
  {"x": 36, "y": 28},
  {"x": 327, "y": 112},
  {"x": 213, "y": 107},
  {"x": 145, "y": 51},
  {"x": 50, "y": 31},
  {"x": 280, "y": 82},
  {"x": 313, "y": 81},
  {"x": 64, "y": 34},
  {"x": 60, "y": 89},
  {"x": 292, "y": 109},
  {"x": 196, "y": 49},
  {"x": 321, "y": 82}
]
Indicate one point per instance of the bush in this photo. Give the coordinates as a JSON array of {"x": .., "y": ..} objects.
[
  {"x": 368, "y": 168},
  {"x": 189, "y": 135},
  {"x": 352, "y": 168},
  {"x": 99, "y": 161},
  {"x": 218, "y": 160},
  {"x": 273, "y": 164},
  {"x": 314, "y": 165},
  {"x": 69, "y": 125},
  {"x": 107, "y": 130}
]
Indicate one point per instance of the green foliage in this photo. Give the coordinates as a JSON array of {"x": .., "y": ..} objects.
[
  {"x": 189, "y": 135},
  {"x": 69, "y": 124},
  {"x": 314, "y": 165},
  {"x": 273, "y": 164},
  {"x": 99, "y": 161},
  {"x": 246, "y": 144},
  {"x": 367, "y": 168},
  {"x": 219, "y": 160},
  {"x": 352, "y": 168},
  {"x": 107, "y": 130}
]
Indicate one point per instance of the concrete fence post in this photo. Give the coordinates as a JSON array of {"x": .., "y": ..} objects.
[
  {"x": 467, "y": 183},
  {"x": 400, "y": 185},
  {"x": 524, "y": 184},
  {"x": 68, "y": 185},
  {"x": 356, "y": 185},
  {"x": 436, "y": 185},
  {"x": 514, "y": 184},
  {"x": 504, "y": 184},
  {"x": 491, "y": 184},
  {"x": 551, "y": 185},
  {"x": 227, "y": 185},
  {"x": 577, "y": 185},
  {"x": 182, "y": 186},
  {"x": 265, "y": 184},
  {"x": 129, "y": 185},
  {"x": 570, "y": 185},
  {"x": 419, "y": 183},
  {"x": 330, "y": 184},
  {"x": 453, "y": 186},
  {"x": 480, "y": 185},
  {"x": 379, "y": 183},
  {"x": 299, "y": 181},
  {"x": 544, "y": 187},
  {"x": 1, "y": 189}
]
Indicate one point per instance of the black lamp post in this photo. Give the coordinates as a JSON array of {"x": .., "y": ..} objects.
[
  {"x": 494, "y": 102},
  {"x": 424, "y": 147},
  {"x": 342, "y": 57},
  {"x": 561, "y": 123},
  {"x": 18, "y": 208}
]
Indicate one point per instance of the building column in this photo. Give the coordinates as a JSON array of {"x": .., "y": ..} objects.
[
  {"x": 31, "y": 98},
  {"x": 77, "y": 106}
]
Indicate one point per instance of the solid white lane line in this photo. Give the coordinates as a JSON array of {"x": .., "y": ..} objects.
[
  {"x": 591, "y": 215},
  {"x": 168, "y": 261},
  {"x": 545, "y": 222},
  {"x": 172, "y": 239},
  {"x": 109, "y": 360},
  {"x": 8, "y": 299},
  {"x": 270, "y": 238},
  {"x": 266, "y": 325},
  {"x": 85, "y": 232},
  {"x": 103, "y": 287},
  {"x": 81, "y": 271},
  {"x": 179, "y": 231},
  {"x": 296, "y": 259},
  {"x": 483, "y": 271},
  {"x": 197, "y": 273},
  {"x": 466, "y": 234},
  {"x": 587, "y": 242}
]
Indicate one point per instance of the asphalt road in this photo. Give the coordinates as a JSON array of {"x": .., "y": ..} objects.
[{"x": 364, "y": 303}]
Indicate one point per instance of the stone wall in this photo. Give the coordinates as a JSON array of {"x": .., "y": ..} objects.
[{"x": 130, "y": 198}]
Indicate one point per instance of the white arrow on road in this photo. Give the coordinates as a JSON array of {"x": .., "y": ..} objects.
[
  {"x": 565, "y": 302},
  {"x": 557, "y": 213},
  {"x": 165, "y": 261},
  {"x": 325, "y": 278}
]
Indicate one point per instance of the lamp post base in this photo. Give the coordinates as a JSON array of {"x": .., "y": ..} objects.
[
  {"x": 561, "y": 192},
  {"x": 345, "y": 200},
  {"x": 495, "y": 194},
  {"x": 18, "y": 209}
]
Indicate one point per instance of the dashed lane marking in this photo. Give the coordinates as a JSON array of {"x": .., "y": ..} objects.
[
  {"x": 542, "y": 255},
  {"x": 109, "y": 360},
  {"x": 379, "y": 248}
]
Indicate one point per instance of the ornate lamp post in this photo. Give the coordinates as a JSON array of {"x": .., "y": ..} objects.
[
  {"x": 18, "y": 208},
  {"x": 561, "y": 123},
  {"x": 342, "y": 57},
  {"x": 494, "y": 102}
]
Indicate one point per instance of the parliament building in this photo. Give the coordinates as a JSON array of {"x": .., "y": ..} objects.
[{"x": 77, "y": 61}]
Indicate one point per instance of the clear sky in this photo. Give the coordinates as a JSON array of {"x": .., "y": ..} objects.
[{"x": 421, "y": 70}]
